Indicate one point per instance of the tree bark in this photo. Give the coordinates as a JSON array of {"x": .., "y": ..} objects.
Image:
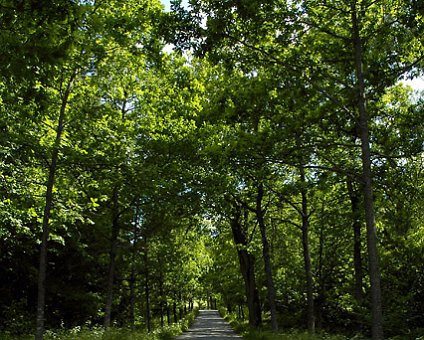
[
  {"x": 180, "y": 307},
  {"x": 42, "y": 271},
  {"x": 321, "y": 281},
  {"x": 306, "y": 255},
  {"x": 147, "y": 287},
  {"x": 168, "y": 314},
  {"x": 357, "y": 244},
  {"x": 133, "y": 276},
  {"x": 174, "y": 310},
  {"x": 374, "y": 267},
  {"x": 247, "y": 268},
  {"x": 133, "y": 271},
  {"x": 162, "y": 298},
  {"x": 267, "y": 258},
  {"x": 112, "y": 258},
  {"x": 132, "y": 298}
]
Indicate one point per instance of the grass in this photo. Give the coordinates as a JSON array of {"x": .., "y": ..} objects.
[
  {"x": 301, "y": 335},
  {"x": 114, "y": 333},
  {"x": 242, "y": 328},
  {"x": 292, "y": 335}
]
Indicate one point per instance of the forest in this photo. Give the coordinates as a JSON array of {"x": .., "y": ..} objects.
[{"x": 263, "y": 158}]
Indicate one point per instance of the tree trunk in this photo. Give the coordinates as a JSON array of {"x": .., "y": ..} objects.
[
  {"x": 147, "y": 287},
  {"x": 133, "y": 272},
  {"x": 161, "y": 293},
  {"x": 112, "y": 258},
  {"x": 168, "y": 314},
  {"x": 374, "y": 267},
  {"x": 321, "y": 286},
  {"x": 132, "y": 298},
  {"x": 357, "y": 245},
  {"x": 267, "y": 259},
  {"x": 180, "y": 307},
  {"x": 41, "y": 298},
  {"x": 306, "y": 255},
  {"x": 229, "y": 307},
  {"x": 174, "y": 310},
  {"x": 162, "y": 317},
  {"x": 247, "y": 269}
]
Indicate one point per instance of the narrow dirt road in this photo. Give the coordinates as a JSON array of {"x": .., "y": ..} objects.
[{"x": 209, "y": 325}]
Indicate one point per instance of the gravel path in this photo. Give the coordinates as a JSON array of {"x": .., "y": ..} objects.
[{"x": 209, "y": 325}]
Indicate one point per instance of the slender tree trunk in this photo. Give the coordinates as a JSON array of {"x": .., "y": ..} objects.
[
  {"x": 267, "y": 259},
  {"x": 374, "y": 267},
  {"x": 147, "y": 287},
  {"x": 174, "y": 310},
  {"x": 132, "y": 298},
  {"x": 180, "y": 307},
  {"x": 306, "y": 255},
  {"x": 168, "y": 314},
  {"x": 357, "y": 244},
  {"x": 133, "y": 272},
  {"x": 41, "y": 299},
  {"x": 161, "y": 293},
  {"x": 321, "y": 287},
  {"x": 247, "y": 268},
  {"x": 112, "y": 258},
  {"x": 229, "y": 307}
]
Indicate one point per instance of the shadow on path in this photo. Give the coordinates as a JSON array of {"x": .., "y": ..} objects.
[{"x": 209, "y": 325}]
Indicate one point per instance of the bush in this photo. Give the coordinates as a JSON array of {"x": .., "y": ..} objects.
[
  {"x": 114, "y": 333},
  {"x": 242, "y": 327},
  {"x": 16, "y": 319}
]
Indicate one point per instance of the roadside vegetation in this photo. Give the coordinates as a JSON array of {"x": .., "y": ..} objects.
[
  {"x": 167, "y": 332},
  {"x": 241, "y": 327}
]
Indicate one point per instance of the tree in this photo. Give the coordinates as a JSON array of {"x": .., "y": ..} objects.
[{"x": 246, "y": 262}]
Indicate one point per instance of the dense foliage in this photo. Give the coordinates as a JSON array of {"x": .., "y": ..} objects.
[{"x": 262, "y": 156}]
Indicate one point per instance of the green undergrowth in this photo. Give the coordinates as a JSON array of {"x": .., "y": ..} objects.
[
  {"x": 114, "y": 333},
  {"x": 292, "y": 335},
  {"x": 242, "y": 328}
]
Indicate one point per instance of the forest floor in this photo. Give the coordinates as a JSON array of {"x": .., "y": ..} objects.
[{"x": 209, "y": 325}]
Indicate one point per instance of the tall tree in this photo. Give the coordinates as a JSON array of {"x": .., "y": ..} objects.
[
  {"x": 49, "y": 203},
  {"x": 247, "y": 263},
  {"x": 373, "y": 260}
]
